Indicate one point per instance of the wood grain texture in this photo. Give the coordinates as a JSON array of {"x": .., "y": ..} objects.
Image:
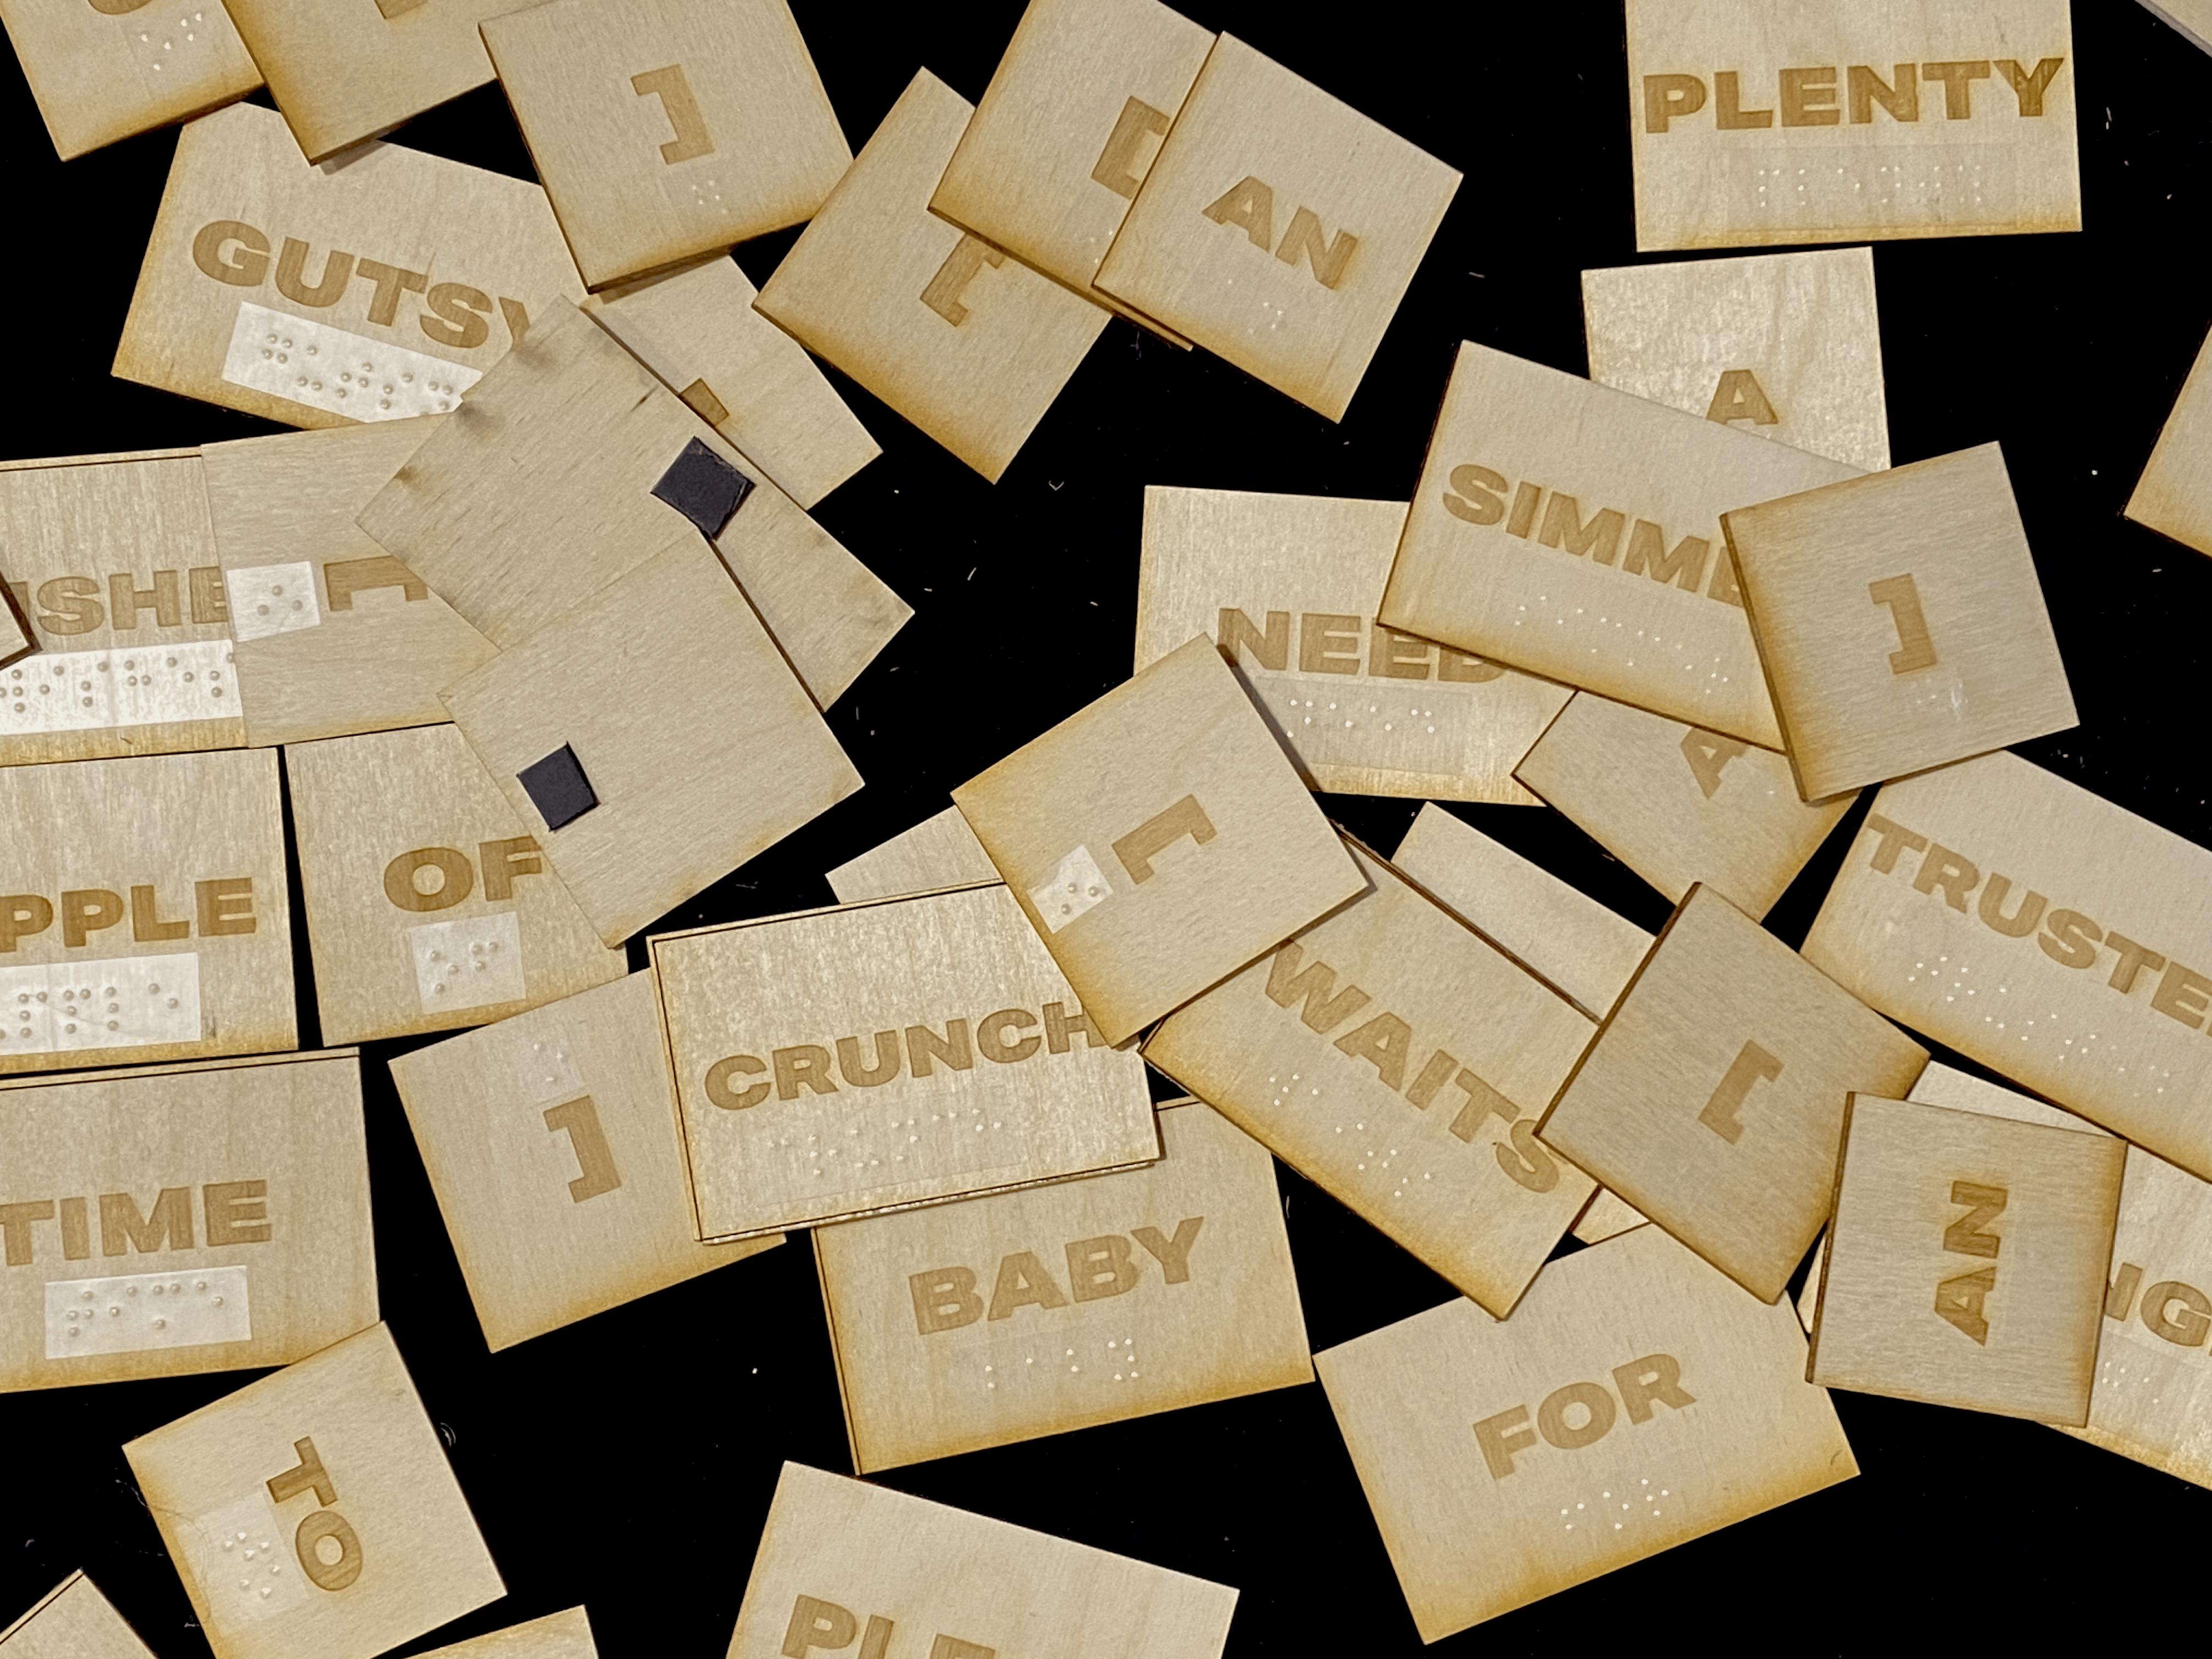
[
  {"x": 696, "y": 329},
  {"x": 2193, "y": 18},
  {"x": 1713, "y": 1096},
  {"x": 1635, "y": 1401},
  {"x": 1361, "y": 710},
  {"x": 743, "y": 759},
  {"x": 1966, "y": 1261},
  {"x": 1607, "y": 1216},
  {"x": 144, "y": 912},
  {"x": 557, "y": 1636},
  {"x": 480, "y": 929},
  {"x": 1159, "y": 840},
  {"x": 941, "y": 851},
  {"x": 1679, "y": 806},
  {"x": 664, "y": 129},
  {"x": 1900, "y": 620},
  {"x": 386, "y": 1506},
  {"x": 1399, "y": 1060},
  {"x": 1279, "y": 227},
  {"x": 1001, "y": 1319},
  {"x": 16, "y": 639},
  {"x": 2174, "y": 495},
  {"x": 970, "y": 348},
  {"x": 1573, "y": 531},
  {"x": 73, "y": 1621},
  {"x": 1919, "y": 121},
  {"x": 761, "y": 1027},
  {"x": 837, "y": 1553},
  {"x": 550, "y": 1140},
  {"x": 1786, "y": 346},
  {"x": 338, "y": 637},
  {"x": 99, "y": 76}
]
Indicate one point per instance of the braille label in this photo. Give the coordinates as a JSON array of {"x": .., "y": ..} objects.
[
  {"x": 133, "y": 1312},
  {"x": 337, "y": 371},
  {"x": 128, "y": 686},
  {"x": 121, "y": 1002},
  {"x": 272, "y": 598},
  {"x": 472, "y": 963}
]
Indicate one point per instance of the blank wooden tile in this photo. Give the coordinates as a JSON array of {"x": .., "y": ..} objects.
[
  {"x": 550, "y": 1140},
  {"x": 1279, "y": 227},
  {"x": 1288, "y": 587},
  {"x": 714, "y": 759},
  {"x": 1900, "y": 621},
  {"x": 1635, "y": 1401},
  {"x": 2193, "y": 18},
  {"x": 1680, "y": 806},
  {"x": 1000, "y": 1319},
  {"x": 557, "y": 1636},
  {"x": 73, "y": 1621},
  {"x": 1786, "y": 346},
  {"x": 940, "y": 851},
  {"x": 838, "y": 1553},
  {"x": 696, "y": 329},
  {"x": 304, "y": 294},
  {"x": 765, "y": 1017},
  {"x": 1573, "y": 531},
  {"x": 667, "y": 128},
  {"x": 329, "y": 1480},
  {"x": 143, "y": 913},
  {"x": 2174, "y": 497},
  {"x": 1159, "y": 840},
  {"x": 971, "y": 347},
  {"x": 1967, "y": 1258},
  {"x": 1758, "y": 123},
  {"x": 1399, "y": 1060},
  {"x": 101, "y": 73}
]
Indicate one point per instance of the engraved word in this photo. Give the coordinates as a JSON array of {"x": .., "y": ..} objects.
[
  {"x": 1251, "y": 205},
  {"x": 1478, "y": 495},
  {"x": 323, "y": 1526},
  {"x": 222, "y": 908},
  {"x": 70, "y": 606},
  {"x": 945, "y": 1298},
  {"x": 2188, "y": 1329},
  {"x": 1917, "y": 651},
  {"x": 1751, "y": 1064},
  {"x": 808, "y": 1066},
  {"x": 1709, "y": 754},
  {"x": 969, "y": 255},
  {"x": 692, "y": 140},
  {"x": 578, "y": 1120},
  {"x": 1656, "y": 1378},
  {"x": 1329, "y": 644},
  {"x": 1740, "y": 397},
  {"x": 1958, "y": 1301},
  {"x": 1117, "y": 167},
  {"x": 821, "y": 1626},
  {"x": 1807, "y": 96},
  {"x": 502, "y": 861},
  {"x": 235, "y": 1212}
]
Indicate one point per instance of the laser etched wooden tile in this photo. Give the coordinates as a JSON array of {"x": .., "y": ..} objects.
[
  {"x": 429, "y": 904},
  {"x": 1068, "y": 130},
  {"x": 304, "y": 295},
  {"x": 1680, "y": 806},
  {"x": 754, "y": 1017},
  {"x": 1635, "y": 1401},
  {"x": 2174, "y": 495},
  {"x": 2192, "y": 18},
  {"x": 1159, "y": 840},
  {"x": 73, "y": 1621},
  {"x": 667, "y": 128},
  {"x": 1753, "y": 123},
  {"x": 16, "y": 639},
  {"x": 314, "y": 1511},
  {"x": 940, "y": 851},
  {"x": 1786, "y": 346},
  {"x": 1571, "y": 530},
  {"x": 1397, "y": 1060},
  {"x": 103, "y": 72},
  {"x": 934, "y": 321},
  {"x": 1607, "y": 1216},
  {"x": 640, "y": 804},
  {"x": 1900, "y": 621},
  {"x": 1279, "y": 227},
  {"x": 550, "y": 1140},
  {"x": 841, "y": 1558},
  {"x": 575, "y": 467},
  {"x": 1966, "y": 1261},
  {"x": 1001, "y": 1319},
  {"x": 185, "y": 851},
  {"x": 557, "y": 1636},
  {"x": 1363, "y": 709},
  {"x": 696, "y": 329}
]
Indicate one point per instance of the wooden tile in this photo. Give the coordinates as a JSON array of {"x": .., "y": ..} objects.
[
  {"x": 1756, "y": 124},
  {"x": 73, "y": 1621},
  {"x": 1966, "y": 1263},
  {"x": 100, "y": 73},
  {"x": 1287, "y": 585},
  {"x": 696, "y": 329},
  {"x": 970, "y": 348},
  {"x": 329, "y": 1479},
  {"x": 429, "y": 904},
  {"x": 1900, "y": 620},
  {"x": 1786, "y": 346},
  {"x": 550, "y": 1140},
  {"x": 345, "y": 640},
  {"x": 544, "y": 496},
  {"x": 961, "y": 973},
  {"x": 2174, "y": 495},
  {"x": 722, "y": 756},
  {"x": 1279, "y": 227},
  {"x": 16, "y": 639},
  {"x": 940, "y": 851},
  {"x": 1159, "y": 840},
  {"x": 143, "y": 913},
  {"x": 1607, "y": 1216},
  {"x": 2193, "y": 18},
  {"x": 557, "y": 1636},
  {"x": 667, "y": 128},
  {"x": 1633, "y": 1383},
  {"x": 1712, "y": 1097},
  {"x": 1573, "y": 531},
  {"x": 1679, "y": 806},
  {"x": 838, "y": 1555},
  {"x": 1393, "y": 1057}
]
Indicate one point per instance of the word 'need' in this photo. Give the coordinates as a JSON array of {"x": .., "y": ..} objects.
[
  {"x": 452, "y": 314},
  {"x": 66, "y": 606},
  {"x": 1960, "y": 1300},
  {"x": 1330, "y": 644},
  {"x": 320, "y": 1528},
  {"x": 219, "y": 908},
  {"x": 1656, "y": 1378},
  {"x": 1822, "y": 98},
  {"x": 1477, "y": 495},
  {"x": 920, "y": 1049},
  {"x": 819, "y": 1626},
  {"x": 946, "y": 1298},
  {"x": 233, "y": 1212}
]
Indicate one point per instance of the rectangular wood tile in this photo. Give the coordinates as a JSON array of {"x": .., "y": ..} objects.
[
  {"x": 1608, "y": 1216},
  {"x": 99, "y": 73},
  {"x": 557, "y": 1636},
  {"x": 941, "y": 851},
  {"x": 16, "y": 639},
  {"x": 2193, "y": 18},
  {"x": 2174, "y": 497},
  {"x": 73, "y": 1621}
]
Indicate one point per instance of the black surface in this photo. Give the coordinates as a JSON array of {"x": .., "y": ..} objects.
[
  {"x": 704, "y": 487},
  {"x": 627, "y": 1462},
  {"x": 557, "y": 787}
]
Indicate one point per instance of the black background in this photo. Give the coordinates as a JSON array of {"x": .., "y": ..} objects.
[{"x": 628, "y": 1462}]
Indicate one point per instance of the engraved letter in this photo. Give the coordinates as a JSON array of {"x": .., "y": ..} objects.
[
  {"x": 692, "y": 140},
  {"x": 943, "y": 1300},
  {"x": 1960, "y": 1301},
  {"x": 2028, "y": 85},
  {"x": 503, "y": 860},
  {"x": 1965, "y": 1237},
  {"x": 1477, "y": 494},
  {"x": 291, "y": 280},
  {"x": 1729, "y": 114},
  {"x": 306, "y": 1544},
  {"x": 1957, "y": 81},
  {"x": 247, "y": 268},
  {"x": 1800, "y": 106},
  {"x": 1552, "y": 1415},
  {"x": 21, "y": 914},
  {"x": 817, "y": 1625},
  {"x": 1172, "y": 1253},
  {"x": 969, "y": 255},
  {"x": 1501, "y": 1436},
  {"x": 1100, "y": 1268},
  {"x": 1655, "y": 1377},
  {"x": 1903, "y": 599},
  {"x": 1666, "y": 96},
  {"x": 309, "y": 1476},
  {"x": 86, "y": 911},
  {"x": 1325, "y": 1007},
  {"x": 735, "y": 1100},
  {"x": 886, "y": 1065},
  {"x": 1250, "y": 204},
  {"x": 1867, "y": 89},
  {"x": 1381, "y": 1042},
  {"x": 1234, "y": 633},
  {"x": 578, "y": 1120},
  {"x": 15, "y": 1221},
  {"x": 2196, "y": 1321},
  {"x": 1148, "y": 840},
  {"x": 146, "y": 923},
  {"x": 1708, "y": 755},
  {"x": 343, "y": 578},
  {"x": 237, "y": 1213},
  {"x": 168, "y": 1227},
  {"x": 1024, "y": 1281},
  {"x": 1751, "y": 1063},
  {"x": 457, "y": 878},
  {"x": 1564, "y": 528},
  {"x": 1328, "y": 261},
  {"x": 1740, "y": 397},
  {"x": 1117, "y": 167}
]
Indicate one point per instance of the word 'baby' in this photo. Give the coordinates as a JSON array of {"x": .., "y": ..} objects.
[{"x": 946, "y": 1298}]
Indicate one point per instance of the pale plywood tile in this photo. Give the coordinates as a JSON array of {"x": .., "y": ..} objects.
[
  {"x": 940, "y": 851},
  {"x": 1607, "y": 1216},
  {"x": 2174, "y": 497},
  {"x": 557, "y": 1636},
  {"x": 2193, "y": 18},
  {"x": 16, "y": 639},
  {"x": 100, "y": 73},
  {"x": 73, "y": 1621}
]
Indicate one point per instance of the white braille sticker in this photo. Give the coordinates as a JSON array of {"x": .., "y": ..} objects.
[
  {"x": 130, "y": 685},
  {"x": 472, "y": 963},
  {"x": 272, "y": 598},
  {"x": 339, "y": 372},
  {"x": 134, "y": 1312},
  {"x": 242, "y": 1556},
  {"x": 123, "y": 1002},
  {"x": 1077, "y": 886}
]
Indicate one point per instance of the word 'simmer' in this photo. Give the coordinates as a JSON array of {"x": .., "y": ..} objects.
[
  {"x": 452, "y": 314},
  {"x": 1477, "y": 496},
  {"x": 233, "y": 1212},
  {"x": 1822, "y": 98},
  {"x": 819, "y": 1626},
  {"x": 946, "y": 1299},
  {"x": 809, "y": 1065},
  {"x": 1329, "y": 644},
  {"x": 1655, "y": 1379}
]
